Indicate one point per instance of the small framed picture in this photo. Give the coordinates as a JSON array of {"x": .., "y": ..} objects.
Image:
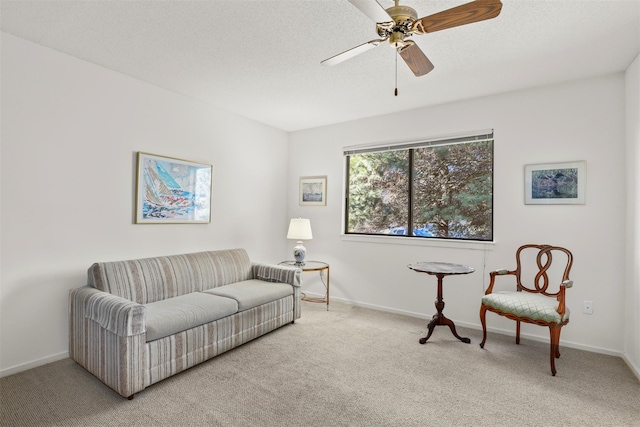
[
  {"x": 172, "y": 191},
  {"x": 555, "y": 183},
  {"x": 313, "y": 191}
]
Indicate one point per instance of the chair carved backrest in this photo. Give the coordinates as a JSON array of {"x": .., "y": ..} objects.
[
  {"x": 543, "y": 261},
  {"x": 543, "y": 271}
]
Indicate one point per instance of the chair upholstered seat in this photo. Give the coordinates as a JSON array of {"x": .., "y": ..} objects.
[{"x": 526, "y": 304}]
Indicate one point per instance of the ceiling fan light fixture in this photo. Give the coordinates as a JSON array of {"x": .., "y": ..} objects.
[
  {"x": 396, "y": 40},
  {"x": 402, "y": 25}
]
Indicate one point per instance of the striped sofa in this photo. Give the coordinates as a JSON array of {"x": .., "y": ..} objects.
[{"x": 138, "y": 322}]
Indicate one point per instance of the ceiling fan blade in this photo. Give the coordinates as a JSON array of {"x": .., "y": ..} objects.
[
  {"x": 468, "y": 13},
  {"x": 415, "y": 59},
  {"x": 372, "y": 9},
  {"x": 347, "y": 54}
]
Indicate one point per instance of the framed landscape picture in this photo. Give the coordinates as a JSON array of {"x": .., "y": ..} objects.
[
  {"x": 313, "y": 191},
  {"x": 172, "y": 191},
  {"x": 555, "y": 183}
]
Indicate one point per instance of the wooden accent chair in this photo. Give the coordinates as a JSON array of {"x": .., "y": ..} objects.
[{"x": 536, "y": 303}]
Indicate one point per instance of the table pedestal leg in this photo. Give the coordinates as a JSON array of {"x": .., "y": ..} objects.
[{"x": 440, "y": 319}]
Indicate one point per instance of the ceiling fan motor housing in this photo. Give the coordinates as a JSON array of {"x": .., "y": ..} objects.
[
  {"x": 403, "y": 18},
  {"x": 401, "y": 13}
]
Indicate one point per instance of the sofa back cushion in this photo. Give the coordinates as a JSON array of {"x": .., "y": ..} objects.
[{"x": 153, "y": 279}]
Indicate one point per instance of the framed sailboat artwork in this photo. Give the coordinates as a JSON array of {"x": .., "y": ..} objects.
[{"x": 172, "y": 191}]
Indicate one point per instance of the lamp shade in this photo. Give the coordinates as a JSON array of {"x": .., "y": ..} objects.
[{"x": 299, "y": 229}]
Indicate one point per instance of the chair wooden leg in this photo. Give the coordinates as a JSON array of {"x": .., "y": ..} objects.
[
  {"x": 483, "y": 320},
  {"x": 554, "y": 331},
  {"x": 517, "y": 332}
]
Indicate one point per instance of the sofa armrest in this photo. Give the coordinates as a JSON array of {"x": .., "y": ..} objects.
[
  {"x": 118, "y": 315},
  {"x": 281, "y": 274},
  {"x": 277, "y": 273},
  {"x": 107, "y": 337},
  {"x": 113, "y": 313}
]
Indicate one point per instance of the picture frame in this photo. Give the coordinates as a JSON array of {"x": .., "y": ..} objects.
[
  {"x": 172, "y": 191},
  {"x": 555, "y": 183},
  {"x": 313, "y": 191}
]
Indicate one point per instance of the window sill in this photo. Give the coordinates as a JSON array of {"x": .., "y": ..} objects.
[{"x": 419, "y": 241}]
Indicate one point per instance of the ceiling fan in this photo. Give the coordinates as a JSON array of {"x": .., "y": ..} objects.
[{"x": 397, "y": 23}]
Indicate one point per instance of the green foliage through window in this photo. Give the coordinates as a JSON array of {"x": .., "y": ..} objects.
[{"x": 431, "y": 191}]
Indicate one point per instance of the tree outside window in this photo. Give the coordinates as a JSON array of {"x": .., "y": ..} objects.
[{"x": 432, "y": 191}]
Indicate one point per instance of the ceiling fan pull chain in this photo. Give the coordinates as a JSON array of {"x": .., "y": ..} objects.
[{"x": 396, "y": 92}]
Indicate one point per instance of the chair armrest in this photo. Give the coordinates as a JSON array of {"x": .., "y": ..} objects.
[
  {"x": 277, "y": 273},
  {"x": 113, "y": 313},
  {"x": 561, "y": 298},
  {"x": 499, "y": 272}
]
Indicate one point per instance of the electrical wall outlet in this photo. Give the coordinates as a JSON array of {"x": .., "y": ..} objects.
[{"x": 587, "y": 307}]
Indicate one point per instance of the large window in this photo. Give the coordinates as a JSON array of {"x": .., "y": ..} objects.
[{"x": 429, "y": 189}]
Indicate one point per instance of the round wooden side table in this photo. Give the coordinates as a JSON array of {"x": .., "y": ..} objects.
[{"x": 441, "y": 269}]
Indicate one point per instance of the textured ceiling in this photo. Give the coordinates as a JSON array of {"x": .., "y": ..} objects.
[{"x": 262, "y": 58}]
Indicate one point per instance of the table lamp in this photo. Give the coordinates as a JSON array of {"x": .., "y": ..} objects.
[{"x": 299, "y": 229}]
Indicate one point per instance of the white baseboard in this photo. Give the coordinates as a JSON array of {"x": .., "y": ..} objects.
[
  {"x": 33, "y": 364},
  {"x": 565, "y": 343},
  {"x": 631, "y": 366}
]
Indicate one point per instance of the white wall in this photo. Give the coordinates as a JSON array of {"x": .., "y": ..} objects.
[
  {"x": 632, "y": 320},
  {"x": 581, "y": 120},
  {"x": 70, "y": 133}
]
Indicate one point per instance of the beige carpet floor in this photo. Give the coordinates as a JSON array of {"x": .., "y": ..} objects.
[{"x": 349, "y": 366}]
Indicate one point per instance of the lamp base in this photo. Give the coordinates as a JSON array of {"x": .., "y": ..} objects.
[{"x": 299, "y": 251}]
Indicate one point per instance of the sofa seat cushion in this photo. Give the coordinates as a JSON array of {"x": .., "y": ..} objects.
[
  {"x": 173, "y": 315},
  {"x": 252, "y": 293}
]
